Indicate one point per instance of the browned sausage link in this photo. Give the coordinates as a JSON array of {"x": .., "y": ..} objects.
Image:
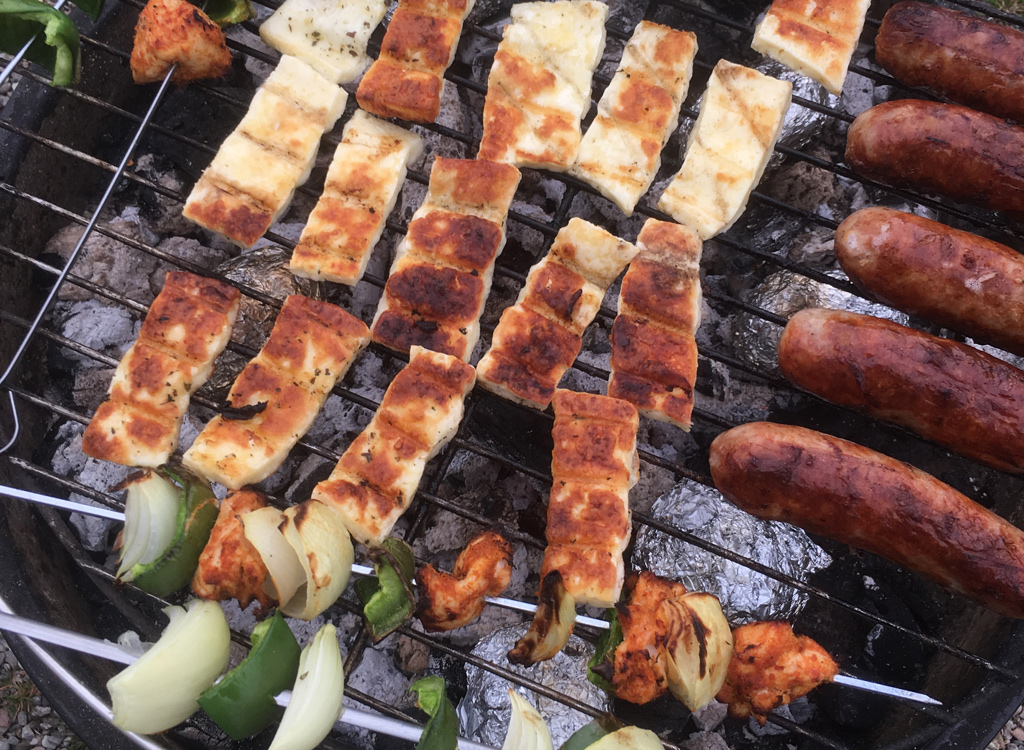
[
  {"x": 859, "y": 497},
  {"x": 945, "y": 391},
  {"x": 940, "y": 148},
  {"x": 957, "y": 279},
  {"x": 962, "y": 57}
]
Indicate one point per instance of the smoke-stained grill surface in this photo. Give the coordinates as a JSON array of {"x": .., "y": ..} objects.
[{"x": 58, "y": 150}]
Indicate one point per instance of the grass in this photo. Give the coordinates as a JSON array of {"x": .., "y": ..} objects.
[
  {"x": 1010, "y": 6},
  {"x": 16, "y": 692}
]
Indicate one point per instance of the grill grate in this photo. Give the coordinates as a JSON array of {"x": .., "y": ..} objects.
[{"x": 928, "y": 725}]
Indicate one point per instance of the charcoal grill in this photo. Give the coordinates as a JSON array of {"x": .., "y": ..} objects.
[{"x": 67, "y": 153}]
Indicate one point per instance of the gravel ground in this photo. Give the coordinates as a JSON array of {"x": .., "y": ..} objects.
[{"x": 26, "y": 721}]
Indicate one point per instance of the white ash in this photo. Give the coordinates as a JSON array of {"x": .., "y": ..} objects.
[
  {"x": 91, "y": 386},
  {"x": 106, "y": 262},
  {"x": 798, "y": 712},
  {"x": 110, "y": 330},
  {"x": 191, "y": 251},
  {"x": 706, "y": 741},
  {"x": 746, "y": 595},
  {"x": 69, "y": 461},
  {"x": 486, "y": 710},
  {"x": 378, "y": 677}
]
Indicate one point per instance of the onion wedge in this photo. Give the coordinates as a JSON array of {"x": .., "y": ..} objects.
[
  {"x": 316, "y": 699},
  {"x": 285, "y": 573},
  {"x": 160, "y": 689},
  {"x": 527, "y": 730},
  {"x": 698, "y": 643},
  {"x": 323, "y": 547}
]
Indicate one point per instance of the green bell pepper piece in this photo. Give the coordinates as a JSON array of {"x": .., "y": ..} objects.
[
  {"x": 227, "y": 12},
  {"x": 388, "y": 599},
  {"x": 197, "y": 513},
  {"x": 56, "y": 47},
  {"x": 601, "y": 666},
  {"x": 242, "y": 703},
  {"x": 587, "y": 735},
  {"x": 441, "y": 732}
]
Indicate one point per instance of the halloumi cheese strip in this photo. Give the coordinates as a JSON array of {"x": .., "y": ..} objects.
[
  {"x": 328, "y": 35},
  {"x": 277, "y": 396},
  {"x": 442, "y": 271},
  {"x": 621, "y": 151},
  {"x": 407, "y": 79},
  {"x": 654, "y": 353},
  {"x": 813, "y": 37},
  {"x": 732, "y": 140},
  {"x": 361, "y": 189},
  {"x": 593, "y": 467},
  {"x": 188, "y": 325},
  {"x": 538, "y": 89},
  {"x": 252, "y": 178},
  {"x": 377, "y": 476},
  {"x": 538, "y": 338}
]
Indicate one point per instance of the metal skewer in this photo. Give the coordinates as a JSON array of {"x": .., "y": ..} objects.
[
  {"x": 85, "y": 644},
  {"x": 498, "y": 601}
]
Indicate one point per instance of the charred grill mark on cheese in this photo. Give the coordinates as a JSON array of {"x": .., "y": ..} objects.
[
  {"x": 654, "y": 352},
  {"x": 188, "y": 325},
  {"x": 252, "y": 178},
  {"x": 538, "y": 88},
  {"x": 535, "y": 341},
  {"x": 377, "y": 476},
  {"x": 311, "y": 346},
  {"x": 362, "y": 186},
  {"x": 407, "y": 80},
  {"x": 621, "y": 151},
  {"x": 442, "y": 271}
]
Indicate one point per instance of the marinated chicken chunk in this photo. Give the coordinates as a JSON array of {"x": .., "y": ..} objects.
[
  {"x": 772, "y": 666},
  {"x": 229, "y": 566},
  {"x": 176, "y": 32},
  {"x": 449, "y": 601},
  {"x": 640, "y": 671}
]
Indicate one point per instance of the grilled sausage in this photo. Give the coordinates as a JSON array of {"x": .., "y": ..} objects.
[
  {"x": 945, "y": 391},
  {"x": 862, "y": 498},
  {"x": 971, "y": 61},
  {"x": 953, "y": 278},
  {"x": 940, "y": 148}
]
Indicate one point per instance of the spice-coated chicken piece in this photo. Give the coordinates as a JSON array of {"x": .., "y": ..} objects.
[
  {"x": 230, "y": 567},
  {"x": 770, "y": 667},
  {"x": 176, "y": 32},
  {"x": 483, "y": 568},
  {"x": 640, "y": 672}
]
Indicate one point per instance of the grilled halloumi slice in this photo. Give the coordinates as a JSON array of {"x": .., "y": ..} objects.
[
  {"x": 187, "y": 327},
  {"x": 538, "y": 338},
  {"x": 732, "y": 140},
  {"x": 328, "y": 35},
  {"x": 442, "y": 271},
  {"x": 377, "y": 476},
  {"x": 252, "y": 178},
  {"x": 361, "y": 189},
  {"x": 538, "y": 89},
  {"x": 813, "y": 37},
  {"x": 311, "y": 346},
  {"x": 621, "y": 151},
  {"x": 593, "y": 467},
  {"x": 407, "y": 80},
  {"x": 654, "y": 353}
]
